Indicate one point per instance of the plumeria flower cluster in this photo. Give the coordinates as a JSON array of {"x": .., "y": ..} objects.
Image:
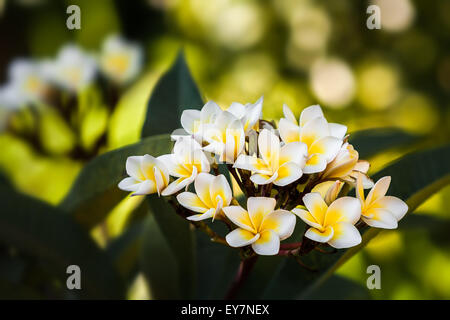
[
  {"x": 72, "y": 70},
  {"x": 59, "y": 85},
  {"x": 304, "y": 169}
]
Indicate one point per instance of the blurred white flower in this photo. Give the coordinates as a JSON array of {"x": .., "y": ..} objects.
[
  {"x": 27, "y": 84},
  {"x": 332, "y": 82},
  {"x": 120, "y": 60},
  {"x": 72, "y": 70}
]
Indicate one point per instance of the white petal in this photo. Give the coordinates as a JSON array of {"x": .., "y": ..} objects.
[
  {"x": 294, "y": 152},
  {"x": 306, "y": 217},
  {"x": 129, "y": 184},
  {"x": 337, "y": 130},
  {"x": 310, "y": 113},
  {"x": 288, "y": 173},
  {"x": 192, "y": 202},
  {"x": 179, "y": 184},
  {"x": 178, "y": 133},
  {"x": 190, "y": 120},
  {"x": 202, "y": 184},
  {"x": 199, "y": 217},
  {"x": 269, "y": 147},
  {"x": 241, "y": 238},
  {"x": 345, "y": 209},
  {"x": 394, "y": 205},
  {"x": 133, "y": 167},
  {"x": 237, "y": 109},
  {"x": 380, "y": 218},
  {"x": 328, "y": 147},
  {"x": 209, "y": 112},
  {"x": 221, "y": 188},
  {"x": 146, "y": 187},
  {"x": 289, "y": 115},
  {"x": 316, "y": 206},
  {"x": 280, "y": 221},
  {"x": 345, "y": 236},
  {"x": 316, "y": 163},
  {"x": 259, "y": 178},
  {"x": 322, "y": 237},
  {"x": 251, "y": 164},
  {"x": 289, "y": 132},
  {"x": 268, "y": 243},
  {"x": 239, "y": 217},
  {"x": 314, "y": 130},
  {"x": 258, "y": 208},
  {"x": 253, "y": 114},
  {"x": 379, "y": 189}
]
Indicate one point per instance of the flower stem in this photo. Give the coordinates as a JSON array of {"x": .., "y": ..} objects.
[{"x": 244, "y": 270}]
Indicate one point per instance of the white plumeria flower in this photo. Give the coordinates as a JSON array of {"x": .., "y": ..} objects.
[
  {"x": 212, "y": 194},
  {"x": 249, "y": 114},
  {"x": 323, "y": 139},
  {"x": 73, "y": 69},
  {"x": 186, "y": 161},
  {"x": 346, "y": 165},
  {"x": 194, "y": 121},
  {"x": 379, "y": 210},
  {"x": 278, "y": 165},
  {"x": 147, "y": 175},
  {"x": 120, "y": 60},
  {"x": 26, "y": 84},
  {"x": 225, "y": 137},
  {"x": 332, "y": 224},
  {"x": 260, "y": 225}
]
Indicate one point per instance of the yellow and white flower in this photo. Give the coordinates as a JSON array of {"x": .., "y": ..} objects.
[
  {"x": 212, "y": 194},
  {"x": 278, "y": 165},
  {"x": 26, "y": 84},
  {"x": 346, "y": 165},
  {"x": 260, "y": 225},
  {"x": 332, "y": 224},
  {"x": 249, "y": 114},
  {"x": 186, "y": 161},
  {"x": 323, "y": 139},
  {"x": 120, "y": 60},
  {"x": 225, "y": 137},
  {"x": 379, "y": 210},
  {"x": 194, "y": 121},
  {"x": 73, "y": 69},
  {"x": 147, "y": 175}
]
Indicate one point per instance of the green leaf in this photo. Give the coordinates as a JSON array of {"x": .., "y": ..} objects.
[
  {"x": 216, "y": 266},
  {"x": 125, "y": 249},
  {"x": 42, "y": 231},
  {"x": 372, "y": 141},
  {"x": 95, "y": 190},
  {"x": 415, "y": 177},
  {"x": 175, "y": 92},
  {"x": 168, "y": 255},
  {"x": 338, "y": 288}
]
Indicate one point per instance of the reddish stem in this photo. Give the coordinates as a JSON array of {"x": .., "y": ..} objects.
[{"x": 243, "y": 272}]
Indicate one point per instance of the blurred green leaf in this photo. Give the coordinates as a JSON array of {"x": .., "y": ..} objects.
[
  {"x": 124, "y": 251},
  {"x": 42, "y": 231},
  {"x": 338, "y": 288},
  {"x": 415, "y": 177},
  {"x": 174, "y": 92},
  {"x": 167, "y": 255},
  {"x": 95, "y": 191},
  {"x": 372, "y": 141}
]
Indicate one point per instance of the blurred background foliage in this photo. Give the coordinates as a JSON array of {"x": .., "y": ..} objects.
[{"x": 297, "y": 52}]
